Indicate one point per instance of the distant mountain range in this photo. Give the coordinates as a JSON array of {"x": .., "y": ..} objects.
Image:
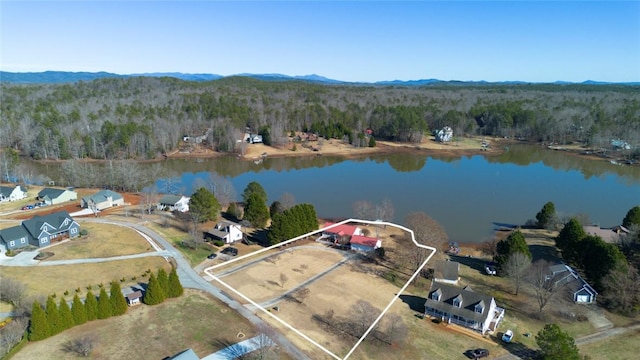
[{"x": 57, "y": 77}]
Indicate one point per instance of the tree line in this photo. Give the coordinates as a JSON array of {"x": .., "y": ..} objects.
[{"x": 141, "y": 118}]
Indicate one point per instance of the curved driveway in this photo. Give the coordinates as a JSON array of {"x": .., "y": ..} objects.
[{"x": 188, "y": 277}]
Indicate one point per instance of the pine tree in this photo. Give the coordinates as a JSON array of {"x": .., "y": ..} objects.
[
  {"x": 514, "y": 243},
  {"x": 91, "y": 306},
  {"x": 175, "y": 287},
  {"x": 556, "y": 344},
  {"x": 53, "y": 316},
  {"x": 163, "y": 280},
  {"x": 38, "y": 327},
  {"x": 104, "y": 305},
  {"x": 66, "y": 319},
  {"x": 154, "y": 294},
  {"x": 118, "y": 303},
  {"x": 78, "y": 311}
]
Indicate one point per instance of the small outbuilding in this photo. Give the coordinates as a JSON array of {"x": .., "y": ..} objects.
[
  {"x": 134, "y": 298},
  {"x": 446, "y": 272},
  {"x": 227, "y": 231}
]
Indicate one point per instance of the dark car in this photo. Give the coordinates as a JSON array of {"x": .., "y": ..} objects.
[
  {"x": 479, "y": 353},
  {"x": 211, "y": 256},
  {"x": 230, "y": 251}
]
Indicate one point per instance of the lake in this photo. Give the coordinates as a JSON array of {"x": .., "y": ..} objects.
[{"x": 465, "y": 194}]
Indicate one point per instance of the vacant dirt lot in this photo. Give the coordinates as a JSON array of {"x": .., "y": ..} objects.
[{"x": 261, "y": 281}]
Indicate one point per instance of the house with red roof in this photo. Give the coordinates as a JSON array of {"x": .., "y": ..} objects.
[
  {"x": 350, "y": 236},
  {"x": 364, "y": 243}
]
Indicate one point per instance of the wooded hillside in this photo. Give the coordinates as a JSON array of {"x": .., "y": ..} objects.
[{"x": 145, "y": 117}]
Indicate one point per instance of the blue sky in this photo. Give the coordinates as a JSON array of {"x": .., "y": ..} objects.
[{"x": 348, "y": 40}]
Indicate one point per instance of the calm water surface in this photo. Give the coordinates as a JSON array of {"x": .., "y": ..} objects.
[{"x": 466, "y": 195}]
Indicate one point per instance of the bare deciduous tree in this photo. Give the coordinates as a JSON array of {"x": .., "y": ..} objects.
[
  {"x": 426, "y": 230},
  {"x": 302, "y": 294},
  {"x": 394, "y": 329},
  {"x": 82, "y": 346},
  {"x": 622, "y": 290},
  {"x": 287, "y": 200},
  {"x": 283, "y": 279},
  {"x": 385, "y": 210},
  {"x": 12, "y": 291},
  {"x": 544, "y": 287},
  {"x": 362, "y": 315},
  {"x": 12, "y": 333},
  {"x": 363, "y": 209},
  {"x": 515, "y": 268}
]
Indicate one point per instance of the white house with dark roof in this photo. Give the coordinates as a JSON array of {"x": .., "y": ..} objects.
[
  {"x": 174, "y": 203},
  {"x": 463, "y": 307},
  {"x": 40, "y": 231},
  {"x": 12, "y": 193},
  {"x": 227, "y": 231},
  {"x": 53, "y": 196},
  {"x": 564, "y": 275},
  {"x": 103, "y": 199}
]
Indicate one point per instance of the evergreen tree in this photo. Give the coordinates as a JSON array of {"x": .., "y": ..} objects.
[
  {"x": 256, "y": 211},
  {"x": 293, "y": 222},
  {"x": 66, "y": 319},
  {"x": 515, "y": 242},
  {"x": 632, "y": 217},
  {"x": 91, "y": 306},
  {"x": 104, "y": 305},
  {"x": 597, "y": 258},
  {"x": 372, "y": 141},
  {"x": 175, "y": 287},
  {"x": 38, "y": 326},
  {"x": 154, "y": 294},
  {"x": 568, "y": 240},
  {"x": 254, "y": 188},
  {"x": 203, "y": 205},
  {"x": 118, "y": 302},
  {"x": 547, "y": 216},
  {"x": 78, "y": 311},
  {"x": 556, "y": 344},
  {"x": 53, "y": 316},
  {"x": 163, "y": 280}
]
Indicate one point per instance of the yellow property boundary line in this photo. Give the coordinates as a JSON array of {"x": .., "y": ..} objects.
[{"x": 209, "y": 270}]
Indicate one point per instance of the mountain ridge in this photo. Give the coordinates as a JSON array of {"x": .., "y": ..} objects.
[{"x": 57, "y": 77}]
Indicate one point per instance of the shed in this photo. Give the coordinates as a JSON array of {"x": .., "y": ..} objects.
[
  {"x": 134, "y": 298},
  {"x": 446, "y": 272}
]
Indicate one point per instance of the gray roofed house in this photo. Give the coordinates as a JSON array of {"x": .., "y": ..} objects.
[
  {"x": 41, "y": 231},
  {"x": 188, "y": 354},
  {"x": 609, "y": 235},
  {"x": 174, "y": 203},
  {"x": 581, "y": 291},
  {"x": 446, "y": 272},
  {"x": 53, "y": 196},
  {"x": 103, "y": 199},
  {"x": 463, "y": 307},
  {"x": 15, "y": 237},
  {"x": 12, "y": 193}
]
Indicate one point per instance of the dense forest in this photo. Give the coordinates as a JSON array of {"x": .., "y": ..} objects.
[{"x": 144, "y": 117}]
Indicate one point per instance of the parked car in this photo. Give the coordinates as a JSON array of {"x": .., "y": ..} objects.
[
  {"x": 27, "y": 207},
  {"x": 479, "y": 353},
  {"x": 212, "y": 256},
  {"x": 507, "y": 336},
  {"x": 230, "y": 251},
  {"x": 490, "y": 269}
]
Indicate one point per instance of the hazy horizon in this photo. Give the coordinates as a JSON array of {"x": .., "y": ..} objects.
[{"x": 352, "y": 41}]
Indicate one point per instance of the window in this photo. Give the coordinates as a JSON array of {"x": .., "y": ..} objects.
[
  {"x": 74, "y": 230},
  {"x": 12, "y": 243},
  {"x": 436, "y": 295},
  {"x": 457, "y": 301},
  {"x": 23, "y": 240},
  {"x": 479, "y": 307},
  {"x": 44, "y": 240}
]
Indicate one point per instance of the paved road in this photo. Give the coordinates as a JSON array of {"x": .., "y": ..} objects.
[{"x": 191, "y": 279}]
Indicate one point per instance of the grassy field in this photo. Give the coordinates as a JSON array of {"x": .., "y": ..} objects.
[
  {"x": 621, "y": 347},
  {"x": 104, "y": 240},
  {"x": 195, "y": 320},
  {"x": 45, "y": 280}
]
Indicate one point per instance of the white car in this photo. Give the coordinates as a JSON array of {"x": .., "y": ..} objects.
[
  {"x": 507, "y": 336},
  {"x": 490, "y": 269}
]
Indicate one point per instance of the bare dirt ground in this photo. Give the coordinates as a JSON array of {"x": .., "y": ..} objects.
[
  {"x": 261, "y": 282},
  {"x": 254, "y": 152}
]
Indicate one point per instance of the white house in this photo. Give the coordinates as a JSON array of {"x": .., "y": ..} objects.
[
  {"x": 226, "y": 231},
  {"x": 445, "y": 134},
  {"x": 103, "y": 199},
  {"x": 12, "y": 193},
  {"x": 174, "y": 203},
  {"x": 53, "y": 196},
  {"x": 463, "y": 307}
]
